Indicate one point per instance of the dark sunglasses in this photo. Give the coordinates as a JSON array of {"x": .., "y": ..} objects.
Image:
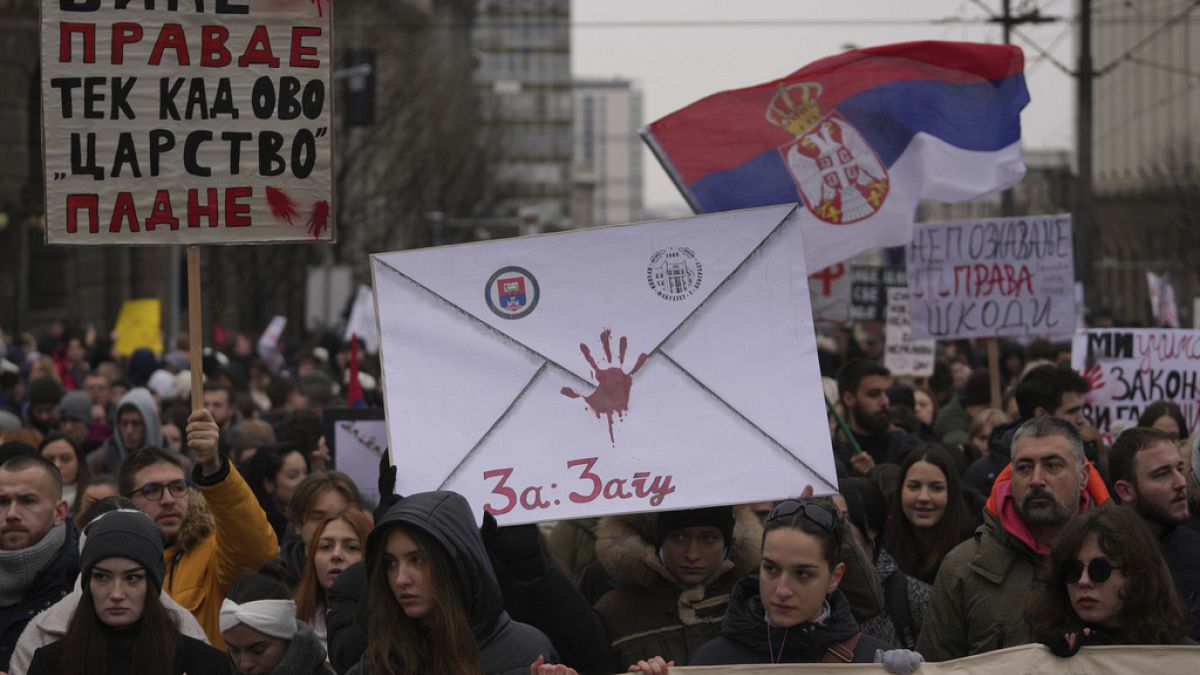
[
  {"x": 824, "y": 517},
  {"x": 1098, "y": 569}
]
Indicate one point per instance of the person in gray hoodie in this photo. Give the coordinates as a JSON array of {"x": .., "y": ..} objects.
[
  {"x": 138, "y": 426},
  {"x": 434, "y": 604}
]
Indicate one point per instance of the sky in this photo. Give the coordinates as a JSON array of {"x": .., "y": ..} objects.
[{"x": 679, "y": 51}]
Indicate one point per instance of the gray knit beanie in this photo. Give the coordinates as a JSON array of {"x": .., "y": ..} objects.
[{"x": 125, "y": 534}]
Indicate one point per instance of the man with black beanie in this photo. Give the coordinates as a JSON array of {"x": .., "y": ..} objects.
[{"x": 674, "y": 571}]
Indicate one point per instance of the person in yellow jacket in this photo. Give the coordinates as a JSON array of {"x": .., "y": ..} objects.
[{"x": 214, "y": 527}]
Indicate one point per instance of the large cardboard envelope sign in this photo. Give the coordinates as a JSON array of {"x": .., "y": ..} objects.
[{"x": 662, "y": 365}]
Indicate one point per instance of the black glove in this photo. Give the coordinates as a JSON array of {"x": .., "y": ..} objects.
[
  {"x": 387, "y": 486},
  {"x": 517, "y": 547},
  {"x": 1068, "y": 644}
]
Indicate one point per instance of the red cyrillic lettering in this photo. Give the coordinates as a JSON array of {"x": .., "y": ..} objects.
[
  {"x": 91, "y": 203},
  {"x": 236, "y": 213},
  {"x": 213, "y": 53},
  {"x": 171, "y": 37},
  {"x": 196, "y": 210},
  {"x": 259, "y": 50},
  {"x": 299, "y": 51},
  {"x": 124, "y": 210},
  {"x": 87, "y": 30},
  {"x": 162, "y": 213},
  {"x": 124, "y": 33}
]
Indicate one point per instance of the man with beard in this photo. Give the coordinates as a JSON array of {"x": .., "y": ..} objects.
[
  {"x": 979, "y": 595},
  {"x": 1149, "y": 475},
  {"x": 210, "y": 541},
  {"x": 39, "y": 550},
  {"x": 862, "y": 386}
]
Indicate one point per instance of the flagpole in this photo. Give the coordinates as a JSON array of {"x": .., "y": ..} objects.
[{"x": 667, "y": 166}]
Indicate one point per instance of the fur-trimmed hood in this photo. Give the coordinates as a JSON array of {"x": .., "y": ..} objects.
[
  {"x": 198, "y": 524},
  {"x": 625, "y": 547}
]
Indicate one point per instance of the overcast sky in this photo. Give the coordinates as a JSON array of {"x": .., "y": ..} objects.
[{"x": 675, "y": 62}]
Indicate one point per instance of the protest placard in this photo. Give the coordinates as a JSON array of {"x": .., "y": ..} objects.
[
  {"x": 188, "y": 122},
  {"x": 652, "y": 366},
  {"x": 829, "y": 293},
  {"x": 1130, "y": 368},
  {"x": 902, "y": 354},
  {"x": 1031, "y": 659},
  {"x": 357, "y": 439},
  {"x": 988, "y": 278},
  {"x": 139, "y": 324},
  {"x": 869, "y": 286}
]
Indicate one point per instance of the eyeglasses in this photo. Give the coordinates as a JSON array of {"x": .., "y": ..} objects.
[
  {"x": 1098, "y": 569},
  {"x": 154, "y": 491},
  {"x": 824, "y": 517}
]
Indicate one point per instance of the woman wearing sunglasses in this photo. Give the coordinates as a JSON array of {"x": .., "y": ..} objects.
[
  {"x": 792, "y": 610},
  {"x": 1106, "y": 583}
]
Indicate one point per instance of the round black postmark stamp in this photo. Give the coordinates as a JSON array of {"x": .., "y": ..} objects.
[{"x": 674, "y": 273}]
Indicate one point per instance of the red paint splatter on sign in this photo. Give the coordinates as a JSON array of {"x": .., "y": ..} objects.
[
  {"x": 613, "y": 384},
  {"x": 319, "y": 218},
  {"x": 282, "y": 206}
]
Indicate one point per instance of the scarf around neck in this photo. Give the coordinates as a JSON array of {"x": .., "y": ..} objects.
[{"x": 19, "y": 568}]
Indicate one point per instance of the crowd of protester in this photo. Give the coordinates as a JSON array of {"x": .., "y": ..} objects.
[{"x": 141, "y": 536}]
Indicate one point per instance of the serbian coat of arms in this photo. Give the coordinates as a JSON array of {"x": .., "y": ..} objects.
[{"x": 837, "y": 173}]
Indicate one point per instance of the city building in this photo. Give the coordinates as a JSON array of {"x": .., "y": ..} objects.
[
  {"x": 523, "y": 81},
  {"x": 1146, "y": 147},
  {"x": 608, "y": 150}
]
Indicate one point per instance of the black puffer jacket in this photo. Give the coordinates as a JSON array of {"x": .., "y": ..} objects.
[
  {"x": 505, "y": 646},
  {"x": 747, "y": 638}
]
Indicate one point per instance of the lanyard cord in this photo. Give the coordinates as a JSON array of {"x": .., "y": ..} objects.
[{"x": 771, "y": 649}]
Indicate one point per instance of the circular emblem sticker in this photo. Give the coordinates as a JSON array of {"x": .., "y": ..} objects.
[
  {"x": 512, "y": 293},
  {"x": 674, "y": 273}
]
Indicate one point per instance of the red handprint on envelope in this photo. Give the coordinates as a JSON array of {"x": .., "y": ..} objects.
[{"x": 613, "y": 384}]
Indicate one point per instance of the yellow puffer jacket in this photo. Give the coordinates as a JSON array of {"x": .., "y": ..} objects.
[{"x": 212, "y": 551}]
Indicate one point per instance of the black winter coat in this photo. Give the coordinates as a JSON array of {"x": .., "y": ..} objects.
[
  {"x": 1181, "y": 549},
  {"x": 191, "y": 656},
  {"x": 51, "y": 584},
  {"x": 744, "y": 634},
  {"x": 505, "y": 646}
]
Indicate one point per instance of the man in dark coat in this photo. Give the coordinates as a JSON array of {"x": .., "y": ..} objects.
[
  {"x": 1149, "y": 476},
  {"x": 39, "y": 550},
  {"x": 862, "y": 387}
]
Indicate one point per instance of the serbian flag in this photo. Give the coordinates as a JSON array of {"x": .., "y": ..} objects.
[{"x": 859, "y": 139}]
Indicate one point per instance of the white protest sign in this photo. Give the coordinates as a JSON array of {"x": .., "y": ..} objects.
[
  {"x": 663, "y": 365},
  {"x": 189, "y": 122},
  {"x": 902, "y": 354},
  {"x": 358, "y": 439},
  {"x": 1028, "y": 659},
  {"x": 829, "y": 293},
  {"x": 1130, "y": 368},
  {"x": 1162, "y": 300},
  {"x": 362, "y": 320},
  {"x": 987, "y": 278}
]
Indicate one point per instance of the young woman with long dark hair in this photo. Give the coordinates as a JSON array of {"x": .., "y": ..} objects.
[
  {"x": 792, "y": 610},
  {"x": 434, "y": 605},
  {"x": 120, "y": 626},
  {"x": 929, "y": 517},
  {"x": 1105, "y": 582}
]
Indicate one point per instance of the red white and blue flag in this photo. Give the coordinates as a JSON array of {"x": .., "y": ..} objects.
[{"x": 859, "y": 139}]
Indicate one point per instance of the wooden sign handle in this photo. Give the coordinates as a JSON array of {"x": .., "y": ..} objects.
[
  {"x": 195, "y": 332},
  {"x": 993, "y": 351}
]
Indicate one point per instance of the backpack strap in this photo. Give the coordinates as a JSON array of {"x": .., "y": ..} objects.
[
  {"x": 895, "y": 589},
  {"x": 842, "y": 652}
]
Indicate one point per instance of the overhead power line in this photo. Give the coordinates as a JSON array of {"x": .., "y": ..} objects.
[{"x": 1146, "y": 40}]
